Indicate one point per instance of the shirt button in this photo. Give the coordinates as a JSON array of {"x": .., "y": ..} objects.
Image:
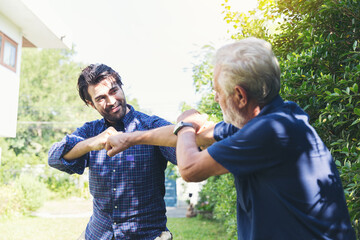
[
  {"x": 114, "y": 170},
  {"x": 114, "y": 189},
  {"x": 114, "y": 223},
  {"x": 115, "y": 206}
]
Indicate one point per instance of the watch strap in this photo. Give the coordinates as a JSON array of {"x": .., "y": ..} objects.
[{"x": 181, "y": 125}]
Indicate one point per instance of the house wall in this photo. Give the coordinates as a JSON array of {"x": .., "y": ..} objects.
[{"x": 9, "y": 83}]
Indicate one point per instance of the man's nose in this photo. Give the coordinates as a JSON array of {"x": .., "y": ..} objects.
[
  {"x": 111, "y": 100},
  {"x": 216, "y": 97}
]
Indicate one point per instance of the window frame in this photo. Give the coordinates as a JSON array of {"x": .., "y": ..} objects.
[{"x": 4, "y": 39}]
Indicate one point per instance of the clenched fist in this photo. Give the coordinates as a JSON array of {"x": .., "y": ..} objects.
[{"x": 98, "y": 142}]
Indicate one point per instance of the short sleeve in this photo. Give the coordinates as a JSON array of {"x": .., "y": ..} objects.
[
  {"x": 223, "y": 130},
  {"x": 249, "y": 149}
]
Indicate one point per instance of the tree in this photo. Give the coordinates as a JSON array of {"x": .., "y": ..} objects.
[{"x": 49, "y": 107}]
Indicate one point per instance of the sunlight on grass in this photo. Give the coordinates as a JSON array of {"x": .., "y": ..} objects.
[
  {"x": 196, "y": 228},
  {"x": 34, "y": 228}
]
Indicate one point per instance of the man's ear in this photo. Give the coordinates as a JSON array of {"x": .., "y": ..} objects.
[{"x": 240, "y": 96}]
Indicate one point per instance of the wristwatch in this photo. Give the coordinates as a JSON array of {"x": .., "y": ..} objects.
[{"x": 180, "y": 125}]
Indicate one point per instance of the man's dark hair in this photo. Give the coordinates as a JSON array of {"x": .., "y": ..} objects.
[{"x": 92, "y": 75}]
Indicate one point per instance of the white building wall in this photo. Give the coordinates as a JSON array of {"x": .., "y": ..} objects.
[{"x": 9, "y": 83}]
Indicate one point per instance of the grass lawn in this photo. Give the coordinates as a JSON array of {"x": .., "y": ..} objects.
[
  {"x": 196, "y": 229},
  {"x": 35, "y": 228}
]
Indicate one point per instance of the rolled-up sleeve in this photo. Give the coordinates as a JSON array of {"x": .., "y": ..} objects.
[{"x": 59, "y": 149}]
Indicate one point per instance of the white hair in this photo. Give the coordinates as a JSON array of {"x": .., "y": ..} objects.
[{"x": 251, "y": 64}]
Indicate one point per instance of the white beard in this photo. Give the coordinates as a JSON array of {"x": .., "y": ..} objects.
[{"x": 232, "y": 115}]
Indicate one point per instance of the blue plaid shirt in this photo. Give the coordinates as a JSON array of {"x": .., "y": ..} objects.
[{"x": 128, "y": 189}]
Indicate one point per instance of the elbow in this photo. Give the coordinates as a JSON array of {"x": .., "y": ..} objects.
[
  {"x": 186, "y": 177},
  {"x": 189, "y": 175},
  {"x": 54, "y": 163},
  {"x": 51, "y": 160}
]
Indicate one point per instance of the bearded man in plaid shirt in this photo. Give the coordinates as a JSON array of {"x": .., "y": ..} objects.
[{"x": 128, "y": 189}]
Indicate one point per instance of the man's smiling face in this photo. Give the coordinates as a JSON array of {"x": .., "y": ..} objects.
[{"x": 108, "y": 98}]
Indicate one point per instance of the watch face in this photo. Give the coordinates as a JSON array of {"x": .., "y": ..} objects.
[{"x": 177, "y": 127}]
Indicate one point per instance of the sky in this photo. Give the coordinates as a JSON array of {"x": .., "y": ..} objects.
[{"x": 150, "y": 43}]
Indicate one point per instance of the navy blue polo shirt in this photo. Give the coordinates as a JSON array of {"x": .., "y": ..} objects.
[{"x": 287, "y": 184}]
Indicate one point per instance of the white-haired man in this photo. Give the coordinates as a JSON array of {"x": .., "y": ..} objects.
[{"x": 287, "y": 184}]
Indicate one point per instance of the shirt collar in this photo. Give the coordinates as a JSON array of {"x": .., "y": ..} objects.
[{"x": 275, "y": 103}]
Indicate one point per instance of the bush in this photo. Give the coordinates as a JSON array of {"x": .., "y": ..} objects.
[
  {"x": 10, "y": 201},
  {"x": 23, "y": 195},
  {"x": 64, "y": 185},
  {"x": 218, "y": 195},
  {"x": 33, "y": 193}
]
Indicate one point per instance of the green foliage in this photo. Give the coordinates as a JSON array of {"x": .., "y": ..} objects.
[
  {"x": 322, "y": 75},
  {"x": 317, "y": 44},
  {"x": 48, "y": 85},
  {"x": 219, "y": 196},
  {"x": 32, "y": 192},
  {"x": 65, "y": 185},
  {"x": 21, "y": 196},
  {"x": 202, "y": 75},
  {"x": 49, "y": 108},
  {"x": 10, "y": 202}
]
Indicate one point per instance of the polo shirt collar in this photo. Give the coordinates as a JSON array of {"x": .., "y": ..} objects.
[{"x": 275, "y": 103}]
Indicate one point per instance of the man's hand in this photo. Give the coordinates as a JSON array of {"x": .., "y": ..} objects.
[
  {"x": 117, "y": 143},
  {"x": 204, "y": 129},
  {"x": 91, "y": 144},
  {"x": 98, "y": 142},
  {"x": 193, "y": 116}
]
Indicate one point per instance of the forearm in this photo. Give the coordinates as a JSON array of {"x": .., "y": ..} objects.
[
  {"x": 79, "y": 150},
  {"x": 56, "y": 159},
  {"x": 162, "y": 136},
  {"x": 195, "y": 165},
  {"x": 187, "y": 154}
]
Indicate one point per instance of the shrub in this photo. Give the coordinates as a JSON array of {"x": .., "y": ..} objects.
[
  {"x": 10, "y": 200},
  {"x": 64, "y": 185},
  {"x": 218, "y": 195},
  {"x": 21, "y": 196},
  {"x": 32, "y": 192}
]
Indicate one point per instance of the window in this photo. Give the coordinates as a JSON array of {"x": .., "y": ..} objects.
[
  {"x": 0, "y": 44},
  {"x": 8, "y": 52}
]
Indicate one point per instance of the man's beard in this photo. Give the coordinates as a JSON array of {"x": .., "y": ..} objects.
[
  {"x": 232, "y": 115},
  {"x": 115, "y": 117}
]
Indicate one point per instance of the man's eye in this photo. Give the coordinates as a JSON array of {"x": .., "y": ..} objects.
[
  {"x": 100, "y": 99},
  {"x": 114, "y": 90}
]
